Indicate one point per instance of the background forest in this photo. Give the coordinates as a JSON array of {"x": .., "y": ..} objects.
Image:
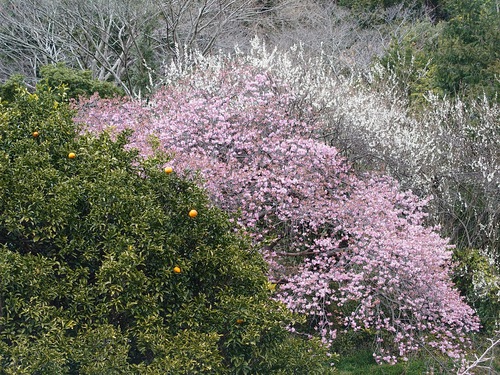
[{"x": 353, "y": 145}]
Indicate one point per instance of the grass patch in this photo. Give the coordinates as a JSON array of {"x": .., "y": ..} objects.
[{"x": 362, "y": 362}]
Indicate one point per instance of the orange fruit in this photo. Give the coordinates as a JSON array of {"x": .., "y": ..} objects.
[
  {"x": 177, "y": 269},
  {"x": 71, "y": 155},
  {"x": 168, "y": 170},
  {"x": 239, "y": 321},
  {"x": 35, "y": 134},
  {"x": 193, "y": 213}
]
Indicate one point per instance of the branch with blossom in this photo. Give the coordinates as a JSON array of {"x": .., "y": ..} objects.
[{"x": 484, "y": 360}]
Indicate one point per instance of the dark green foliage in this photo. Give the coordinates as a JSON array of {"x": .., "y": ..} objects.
[
  {"x": 459, "y": 56},
  {"x": 467, "y": 57},
  {"x": 479, "y": 281},
  {"x": 9, "y": 89},
  {"x": 361, "y": 362},
  {"x": 78, "y": 82},
  {"x": 409, "y": 60},
  {"x": 88, "y": 247}
]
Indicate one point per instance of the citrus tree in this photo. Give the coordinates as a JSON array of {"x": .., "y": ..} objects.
[
  {"x": 110, "y": 263},
  {"x": 351, "y": 251}
]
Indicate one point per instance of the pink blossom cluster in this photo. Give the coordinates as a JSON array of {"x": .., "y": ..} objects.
[
  {"x": 352, "y": 252},
  {"x": 392, "y": 278}
]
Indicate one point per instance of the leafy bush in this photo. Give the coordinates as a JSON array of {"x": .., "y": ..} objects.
[
  {"x": 410, "y": 64},
  {"x": 78, "y": 82},
  {"x": 460, "y": 55},
  {"x": 9, "y": 88},
  {"x": 362, "y": 362},
  {"x": 102, "y": 269},
  {"x": 466, "y": 57},
  {"x": 478, "y": 279}
]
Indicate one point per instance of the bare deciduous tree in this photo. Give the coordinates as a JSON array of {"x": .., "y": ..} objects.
[{"x": 119, "y": 40}]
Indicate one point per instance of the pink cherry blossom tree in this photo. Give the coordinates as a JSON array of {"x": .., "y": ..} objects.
[{"x": 351, "y": 251}]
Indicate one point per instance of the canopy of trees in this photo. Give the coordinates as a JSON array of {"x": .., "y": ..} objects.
[{"x": 129, "y": 42}]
